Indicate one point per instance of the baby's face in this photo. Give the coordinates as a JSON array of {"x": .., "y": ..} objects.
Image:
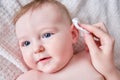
[{"x": 45, "y": 39}]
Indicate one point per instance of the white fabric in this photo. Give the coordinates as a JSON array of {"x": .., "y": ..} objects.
[{"x": 88, "y": 11}]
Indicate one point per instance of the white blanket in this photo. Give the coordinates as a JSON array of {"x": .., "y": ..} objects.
[{"x": 88, "y": 11}]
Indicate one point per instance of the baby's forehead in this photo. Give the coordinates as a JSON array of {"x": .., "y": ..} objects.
[
  {"x": 47, "y": 14},
  {"x": 46, "y": 11},
  {"x": 34, "y": 5},
  {"x": 42, "y": 14},
  {"x": 52, "y": 8},
  {"x": 48, "y": 8}
]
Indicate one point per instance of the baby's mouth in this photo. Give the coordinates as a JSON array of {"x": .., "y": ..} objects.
[{"x": 44, "y": 60}]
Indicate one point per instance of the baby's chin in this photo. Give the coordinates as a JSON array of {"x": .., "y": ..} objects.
[{"x": 53, "y": 66}]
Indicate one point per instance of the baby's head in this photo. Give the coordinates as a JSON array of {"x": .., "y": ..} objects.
[{"x": 46, "y": 35}]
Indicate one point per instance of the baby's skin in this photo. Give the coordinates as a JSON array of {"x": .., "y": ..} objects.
[{"x": 79, "y": 68}]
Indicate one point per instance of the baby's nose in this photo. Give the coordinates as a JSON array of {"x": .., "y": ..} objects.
[{"x": 38, "y": 47}]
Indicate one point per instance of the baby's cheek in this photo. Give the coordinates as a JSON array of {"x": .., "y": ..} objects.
[
  {"x": 28, "y": 58},
  {"x": 30, "y": 62}
]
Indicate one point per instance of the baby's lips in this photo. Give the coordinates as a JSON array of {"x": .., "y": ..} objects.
[{"x": 42, "y": 59}]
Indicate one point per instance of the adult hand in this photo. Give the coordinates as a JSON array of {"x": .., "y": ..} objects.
[{"x": 101, "y": 52}]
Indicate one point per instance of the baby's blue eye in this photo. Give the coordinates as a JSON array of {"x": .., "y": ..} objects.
[
  {"x": 47, "y": 35},
  {"x": 26, "y": 43}
]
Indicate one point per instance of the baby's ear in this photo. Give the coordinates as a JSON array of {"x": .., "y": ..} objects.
[{"x": 75, "y": 34}]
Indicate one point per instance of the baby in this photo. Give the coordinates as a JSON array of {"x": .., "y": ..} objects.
[{"x": 46, "y": 37}]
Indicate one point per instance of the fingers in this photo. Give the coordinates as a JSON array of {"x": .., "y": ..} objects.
[
  {"x": 101, "y": 26},
  {"x": 100, "y": 32},
  {"x": 95, "y": 30},
  {"x": 91, "y": 43}
]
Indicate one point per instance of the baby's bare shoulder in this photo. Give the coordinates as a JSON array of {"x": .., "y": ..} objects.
[{"x": 30, "y": 75}]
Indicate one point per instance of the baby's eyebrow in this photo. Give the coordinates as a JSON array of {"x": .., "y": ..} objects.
[
  {"x": 22, "y": 38},
  {"x": 48, "y": 28}
]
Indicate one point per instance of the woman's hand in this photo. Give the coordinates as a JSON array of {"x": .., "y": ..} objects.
[{"x": 101, "y": 51}]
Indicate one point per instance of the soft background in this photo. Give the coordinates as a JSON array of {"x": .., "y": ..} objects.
[{"x": 88, "y": 11}]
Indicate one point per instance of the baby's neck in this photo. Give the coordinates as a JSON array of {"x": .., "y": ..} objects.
[{"x": 83, "y": 55}]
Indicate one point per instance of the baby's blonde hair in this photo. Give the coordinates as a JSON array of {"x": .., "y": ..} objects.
[{"x": 37, "y": 3}]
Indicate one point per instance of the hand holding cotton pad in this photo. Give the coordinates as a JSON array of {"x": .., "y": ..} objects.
[{"x": 76, "y": 23}]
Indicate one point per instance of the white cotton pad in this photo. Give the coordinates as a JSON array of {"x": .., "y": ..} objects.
[{"x": 75, "y": 22}]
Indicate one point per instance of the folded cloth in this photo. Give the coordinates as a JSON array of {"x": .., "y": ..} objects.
[{"x": 8, "y": 71}]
